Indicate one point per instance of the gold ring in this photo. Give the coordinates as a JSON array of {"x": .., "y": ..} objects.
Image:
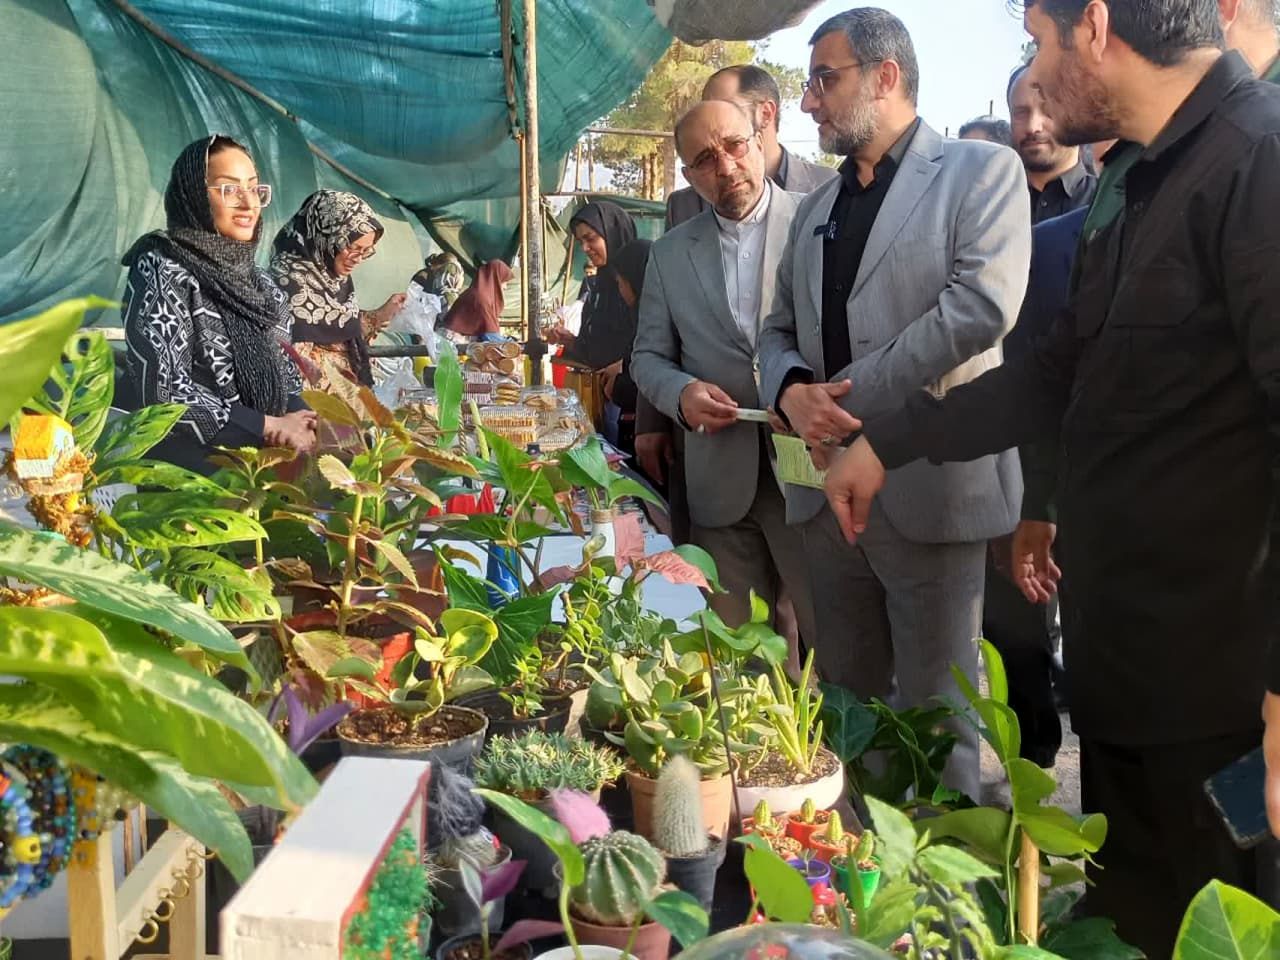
[
  {"x": 164, "y": 917},
  {"x": 194, "y": 871},
  {"x": 186, "y": 887},
  {"x": 207, "y": 854},
  {"x": 828, "y": 441},
  {"x": 154, "y": 935}
]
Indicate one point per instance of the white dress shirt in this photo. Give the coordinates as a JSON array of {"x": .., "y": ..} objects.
[{"x": 742, "y": 254}]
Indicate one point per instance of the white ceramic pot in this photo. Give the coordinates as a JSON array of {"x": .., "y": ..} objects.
[
  {"x": 588, "y": 953},
  {"x": 824, "y": 793}
]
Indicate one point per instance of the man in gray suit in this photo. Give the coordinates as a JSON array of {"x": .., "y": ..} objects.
[
  {"x": 755, "y": 90},
  {"x": 694, "y": 357},
  {"x": 903, "y": 275}
]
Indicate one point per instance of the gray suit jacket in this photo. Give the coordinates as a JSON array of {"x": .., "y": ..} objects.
[
  {"x": 802, "y": 177},
  {"x": 940, "y": 284},
  {"x": 687, "y": 332}
]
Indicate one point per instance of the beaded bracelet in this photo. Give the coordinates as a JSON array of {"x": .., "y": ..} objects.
[
  {"x": 50, "y": 800},
  {"x": 19, "y": 842}
]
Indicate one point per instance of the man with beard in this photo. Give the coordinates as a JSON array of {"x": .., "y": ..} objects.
[
  {"x": 694, "y": 358},
  {"x": 1057, "y": 177},
  {"x": 1163, "y": 381},
  {"x": 904, "y": 274}
]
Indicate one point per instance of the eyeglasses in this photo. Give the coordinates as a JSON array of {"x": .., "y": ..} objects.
[
  {"x": 735, "y": 148},
  {"x": 817, "y": 82},
  {"x": 259, "y": 196},
  {"x": 359, "y": 254}
]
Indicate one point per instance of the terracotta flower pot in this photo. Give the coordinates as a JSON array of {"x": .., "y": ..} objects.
[
  {"x": 717, "y": 798},
  {"x": 804, "y": 832},
  {"x": 653, "y": 941},
  {"x": 823, "y": 849}
]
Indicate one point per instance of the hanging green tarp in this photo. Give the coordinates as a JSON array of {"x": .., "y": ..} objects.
[{"x": 410, "y": 95}]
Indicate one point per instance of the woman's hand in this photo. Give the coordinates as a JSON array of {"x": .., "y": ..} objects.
[
  {"x": 296, "y": 430},
  {"x": 559, "y": 334},
  {"x": 380, "y": 318}
]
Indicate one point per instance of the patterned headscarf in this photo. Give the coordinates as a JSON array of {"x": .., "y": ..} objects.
[
  {"x": 443, "y": 276},
  {"x": 228, "y": 277},
  {"x": 324, "y": 304}
]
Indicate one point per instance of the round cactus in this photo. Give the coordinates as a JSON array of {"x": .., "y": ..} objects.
[{"x": 623, "y": 873}]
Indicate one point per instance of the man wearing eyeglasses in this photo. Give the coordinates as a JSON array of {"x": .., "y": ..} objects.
[
  {"x": 694, "y": 358},
  {"x": 903, "y": 275}
]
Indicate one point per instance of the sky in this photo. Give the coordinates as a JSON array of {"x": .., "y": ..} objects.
[{"x": 966, "y": 50}]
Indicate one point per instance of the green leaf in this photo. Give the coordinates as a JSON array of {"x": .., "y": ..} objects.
[
  {"x": 519, "y": 624},
  {"x": 321, "y": 649},
  {"x": 352, "y": 668},
  {"x": 890, "y": 913},
  {"x": 464, "y": 590},
  {"x": 850, "y": 725},
  {"x": 484, "y": 527},
  {"x": 142, "y": 693},
  {"x": 465, "y": 680},
  {"x": 232, "y": 593},
  {"x": 549, "y": 831},
  {"x": 681, "y": 914},
  {"x": 759, "y": 609},
  {"x": 29, "y": 349},
  {"x": 49, "y": 561},
  {"x": 1223, "y": 923},
  {"x": 80, "y": 387},
  {"x": 784, "y": 895},
  {"x": 896, "y": 837},
  {"x": 1054, "y": 831},
  {"x": 997, "y": 679},
  {"x": 586, "y": 466},
  {"x": 130, "y": 437},
  {"x": 1063, "y": 873},
  {"x": 1023, "y": 951},
  {"x": 331, "y": 407},
  {"x": 161, "y": 521},
  {"x": 448, "y": 385},
  {"x": 37, "y": 716},
  {"x": 628, "y": 487},
  {"x": 1093, "y": 938},
  {"x": 703, "y": 561},
  {"x": 397, "y": 559},
  {"x": 983, "y": 829},
  {"x": 519, "y": 478},
  {"x": 470, "y": 633},
  {"x": 951, "y": 866},
  {"x": 156, "y": 473}
]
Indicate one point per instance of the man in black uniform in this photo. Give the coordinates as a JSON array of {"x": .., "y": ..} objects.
[{"x": 1163, "y": 380}]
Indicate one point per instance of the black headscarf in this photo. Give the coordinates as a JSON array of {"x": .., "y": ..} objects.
[
  {"x": 303, "y": 260},
  {"x": 630, "y": 263},
  {"x": 608, "y": 326},
  {"x": 229, "y": 279}
]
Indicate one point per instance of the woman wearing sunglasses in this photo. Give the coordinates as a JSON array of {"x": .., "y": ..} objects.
[
  {"x": 312, "y": 259},
  {"x": 204, "y": 326}
]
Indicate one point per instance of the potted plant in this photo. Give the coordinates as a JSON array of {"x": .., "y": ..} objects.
[
  {"x": 815, "y": 872},
  {"x": 693, "y": 855},
  {"x": 796, "y": 764},
  {"x": 857, "y": 864},
  {"x": 611, "y": 882},
  {"x": 763, "y": 822},
  {"x": 805, "y": 822},
  {"x": 529, "y": 768},
  {"x": 669, "y": 711},
  {"x": 416, "y": 720},
  {"x": 485, "y": 891},
  {"x": 829, "y": 841}
]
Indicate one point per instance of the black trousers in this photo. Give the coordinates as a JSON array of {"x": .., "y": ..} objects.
[
  {"x": 1164, "y": 841},
  {"x": 1020, "y": 631}
]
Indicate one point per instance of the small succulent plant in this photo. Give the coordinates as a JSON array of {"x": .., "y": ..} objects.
[
  {"x": 834, "y": 833},
  {"x": 679, "y": 829},
  {"x": 531, "y": 765}
]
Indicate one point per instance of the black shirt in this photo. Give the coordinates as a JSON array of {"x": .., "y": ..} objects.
[
  {"x": 1072, "y": 190},
  {"x": 1163, "y": 376}
]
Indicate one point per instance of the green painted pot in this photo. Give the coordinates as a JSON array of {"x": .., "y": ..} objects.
[{"x": 870, "y": 880}]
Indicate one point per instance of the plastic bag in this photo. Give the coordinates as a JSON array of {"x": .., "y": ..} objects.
[
  {"x": 698, "y": 21},
  {"x": 418, "y": 315},
  {"x": 570, "y": 316}
]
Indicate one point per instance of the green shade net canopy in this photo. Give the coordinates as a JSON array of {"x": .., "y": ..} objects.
[{"x": 408, "y": 103}]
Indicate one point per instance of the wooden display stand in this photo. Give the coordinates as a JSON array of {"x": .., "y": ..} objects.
[
  {"x": 166, "y": 887},
  {"x": 589, "y": 386},
  {"x": 297, "y": 903}
]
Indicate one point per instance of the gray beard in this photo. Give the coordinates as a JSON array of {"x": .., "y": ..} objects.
[{"x": 860, "y": 126}]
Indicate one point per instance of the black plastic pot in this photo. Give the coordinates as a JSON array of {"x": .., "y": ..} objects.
[
  {"x": 459, "y": 753},
  {"x": 458, "y": 917},
  {"x": 696, "y": 876},
  {"x": 445, "y": 951},
  {"x": 321, "y": 754},
  {"x": 553, "y": 719}
]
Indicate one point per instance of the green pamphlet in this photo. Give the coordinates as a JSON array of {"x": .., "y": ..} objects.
[{"x": 794, "y": 463}]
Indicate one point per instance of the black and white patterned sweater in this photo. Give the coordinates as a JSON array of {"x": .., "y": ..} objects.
[{"x": 179, "y": 352}]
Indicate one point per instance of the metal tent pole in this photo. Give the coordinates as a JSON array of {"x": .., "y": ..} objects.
[{"x": 532, "y": 199}]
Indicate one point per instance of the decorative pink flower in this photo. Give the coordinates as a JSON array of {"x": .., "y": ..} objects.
[{"x": 581, "y": 815}]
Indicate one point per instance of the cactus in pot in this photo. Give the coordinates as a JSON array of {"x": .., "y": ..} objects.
[
  {"x": 828, "y": 841},
  {"x": 763, "y": 822},
  {"x": 679, "y": 829},
  {"x": 623, "y": 874}
]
